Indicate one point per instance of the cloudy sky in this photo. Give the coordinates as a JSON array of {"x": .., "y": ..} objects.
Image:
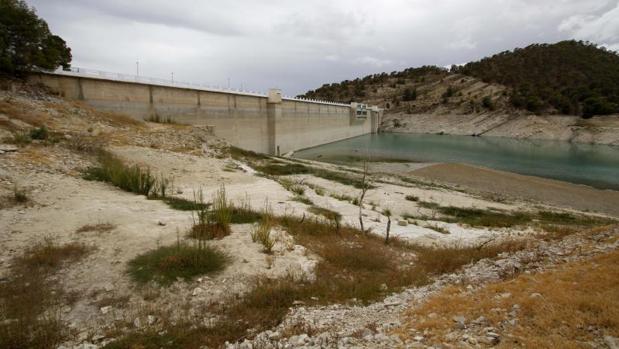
[{"x": 299, "y": 45}]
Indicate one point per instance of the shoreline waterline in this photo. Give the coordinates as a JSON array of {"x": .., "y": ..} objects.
[{"x": 578, "y": 163}]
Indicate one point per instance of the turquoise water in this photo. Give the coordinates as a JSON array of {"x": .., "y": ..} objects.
[{"x": 595, "y": 165}]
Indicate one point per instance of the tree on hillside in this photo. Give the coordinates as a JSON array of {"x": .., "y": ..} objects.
[
  {"x": 569, "y": 77},
  {"x": 26, "y": 42},
  {"x": 409, "y": 95}
]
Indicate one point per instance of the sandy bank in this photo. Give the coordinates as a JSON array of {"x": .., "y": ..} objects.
[{"x": 542, "y": 190}]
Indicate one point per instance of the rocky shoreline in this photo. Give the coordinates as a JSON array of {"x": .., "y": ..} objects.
[{"x": 597, "y": 130}]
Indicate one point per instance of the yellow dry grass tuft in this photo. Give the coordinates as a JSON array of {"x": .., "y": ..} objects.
[
  {"x": 25, "y": 113},
  {"x": 563, "y": 308}
]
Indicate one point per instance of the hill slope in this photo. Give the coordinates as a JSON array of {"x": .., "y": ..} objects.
[
  {"x": 424, "y": 90},
  {"x": 569, "y": 77}
]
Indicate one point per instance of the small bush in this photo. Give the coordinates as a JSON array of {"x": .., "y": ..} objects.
[
  {"x": 412, "y": 198},
  {"x": 242, "y": 215},
  {"x": 20, "y": 195},
  {"x": 165, "y": 264},
  {"x": 40, "y": 133},
  {"x": 487, "y": 103}
]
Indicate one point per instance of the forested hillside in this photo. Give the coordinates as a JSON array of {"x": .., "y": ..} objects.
[{"x": 569, "y": 77}]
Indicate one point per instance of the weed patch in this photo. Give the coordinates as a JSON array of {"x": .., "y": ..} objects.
[
  {"x": 502, "y": 219},
  {"x": 40, "y": 133},
  {"x": 247, "y": 155},
  {"x": 412, "y": 198},
  {"x": 20, "y": 195},
  {"x": 129, "y": 178},
  {"x": 50, "y": 256},
  {"x": 30, "y": 301},
  {"x": 262, "y": 233},
  {"x": 303, "y": 199},
  {"x": 352, "y": 266},
  {"x": 283, "y": 170},
  {"x": 98, "y": 228},
  {"x": 165, "y": 264},
  {"x": 182, "y": 204},
  {"x": 325, "y": 212},
  {"x": 20, "y": 138}
]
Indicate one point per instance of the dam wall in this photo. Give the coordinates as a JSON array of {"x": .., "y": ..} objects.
[{"x": 269, "y": 123}]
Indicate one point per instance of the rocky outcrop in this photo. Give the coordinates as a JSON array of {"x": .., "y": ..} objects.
[{"x": 598, "y": 130}]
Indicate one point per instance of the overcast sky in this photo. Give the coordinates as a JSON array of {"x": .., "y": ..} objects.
[{"x": 299, "y": 45}]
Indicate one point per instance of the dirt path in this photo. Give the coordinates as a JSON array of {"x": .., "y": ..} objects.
[{"x": 544, "y": 191}]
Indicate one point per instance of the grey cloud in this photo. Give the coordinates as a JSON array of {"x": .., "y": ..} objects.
[{"x": 301, "y": 45}]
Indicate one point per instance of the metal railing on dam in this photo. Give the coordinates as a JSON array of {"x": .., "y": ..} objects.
[{"x": 104, "y": 75}]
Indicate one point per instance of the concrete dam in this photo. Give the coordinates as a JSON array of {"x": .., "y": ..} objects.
[{"x": 269, "y": 123}]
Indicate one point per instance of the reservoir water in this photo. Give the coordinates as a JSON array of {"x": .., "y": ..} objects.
[{"x": 594, "y": 165}]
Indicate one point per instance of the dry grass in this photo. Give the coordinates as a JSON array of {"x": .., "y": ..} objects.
[
  {"x": 577, "y": 303},
  {"x": 352, "y": 267},
  {"x": 30, "y": 301},
  {"x": 23, "y": 112},
  {"x": 115, "y": 119},
  {"x": 443, "y": 260},
  {"x": 50, "y": 256}
]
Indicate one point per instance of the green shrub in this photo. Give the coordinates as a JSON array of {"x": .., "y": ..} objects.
[
  {"x": 165, "y": 264},
  {"x": 40, "y": 133},
  {"x": 487, "y": 103},
  {"x": 409, "y": 95},
  {"x": 598, "y": 106}
]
